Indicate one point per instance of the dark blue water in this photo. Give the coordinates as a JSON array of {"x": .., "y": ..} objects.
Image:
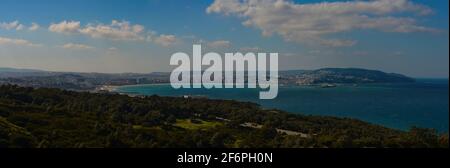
[{"x": 424, "y": 103}]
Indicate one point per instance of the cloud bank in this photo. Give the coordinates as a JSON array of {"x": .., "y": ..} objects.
[
  {"x": 17, "y": 42},
  {"x": 314, "y": 23}
]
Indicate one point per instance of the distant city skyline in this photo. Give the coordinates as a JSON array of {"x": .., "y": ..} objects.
[{"x": 115, "y": 36}]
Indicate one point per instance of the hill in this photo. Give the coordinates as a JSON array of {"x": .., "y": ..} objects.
[
  {"x": 58, "y": 118},
  {"x": 343, "y": 76},
  {"x": 93, "y": 81}
]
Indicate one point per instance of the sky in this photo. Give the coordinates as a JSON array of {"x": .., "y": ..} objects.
[{"x": 115, "y": 36}]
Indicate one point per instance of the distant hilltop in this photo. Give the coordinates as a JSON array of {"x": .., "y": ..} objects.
[
  {"x": 92, "y": 81},
  {"x": 17, "y": 70},
  {"x": 341, "y": 76}
]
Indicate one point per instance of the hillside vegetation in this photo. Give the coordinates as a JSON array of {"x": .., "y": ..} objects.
[{"x": 50, "y": 118}]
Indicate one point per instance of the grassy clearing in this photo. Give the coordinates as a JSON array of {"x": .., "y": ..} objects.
[{"x": 200, "y": 124}]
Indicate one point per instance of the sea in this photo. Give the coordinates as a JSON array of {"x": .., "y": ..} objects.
[{"x": 424, "y": 103}]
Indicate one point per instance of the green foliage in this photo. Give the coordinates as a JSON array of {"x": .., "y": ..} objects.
[
  {"x": 196, "y": 124},
  {"x": 51, "y": 118}
]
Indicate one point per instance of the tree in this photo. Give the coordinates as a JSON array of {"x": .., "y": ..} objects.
[
  {"x": 217, "y": 140},
  {"x": 152, "y": 118}
]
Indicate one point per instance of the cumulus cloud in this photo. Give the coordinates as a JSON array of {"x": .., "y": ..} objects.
[
  {"x": 15, "y": 25},
  {"x": 219, "y": 44},
  {"x": 18, "y": 42},
  {"x": 165, "y": 40},
  {"x": 116, "y": 30},
  {"x": 65, "y": 27},
  {"x": 34, "y": 27},
  {"x": 74, "y": 46},
  {"x": 313, "y": 23}
]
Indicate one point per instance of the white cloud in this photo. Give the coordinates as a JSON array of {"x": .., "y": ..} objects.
[
  {"x": 65, "y": 27},
  {"x": 312, "y": 23},
  {"x": 250, "y": 49},
  {"x": 16, "y": 25},
  {"x": 34, "y": 27},
  {"x": 115, "y": 31},
  {"x": 18, "y": 42},
  {"x": 11, "y": 25},
  {"x": 20, "y": 27},
  {"x": 77, "y": 46},
  {"x": 165, "y": 40},
  {"x": 336, "y": 42},
  {"x": 219, "y": 44}
]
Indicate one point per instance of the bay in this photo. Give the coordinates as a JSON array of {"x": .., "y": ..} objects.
[{"x": 400, "y": 106}]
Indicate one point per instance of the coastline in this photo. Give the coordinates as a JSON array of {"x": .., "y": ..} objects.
[
  {"x": 113, "y": 88},
  {"x": 107, "y": 88},
  {"x": 308, "y": 106}
]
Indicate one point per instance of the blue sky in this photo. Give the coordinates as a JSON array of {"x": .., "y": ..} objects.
[{"x": 409, "y": 37}]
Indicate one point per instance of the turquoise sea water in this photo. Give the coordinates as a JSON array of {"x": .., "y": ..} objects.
[{"x": 424, "y": 103}]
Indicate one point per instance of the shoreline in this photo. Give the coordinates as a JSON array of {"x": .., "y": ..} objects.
[
  {"x": 269, "y": 106},
  {"x": 113, "y": 88}
]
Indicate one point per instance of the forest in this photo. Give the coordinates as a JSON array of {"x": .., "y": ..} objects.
[{"x": 55, "y": 118}]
